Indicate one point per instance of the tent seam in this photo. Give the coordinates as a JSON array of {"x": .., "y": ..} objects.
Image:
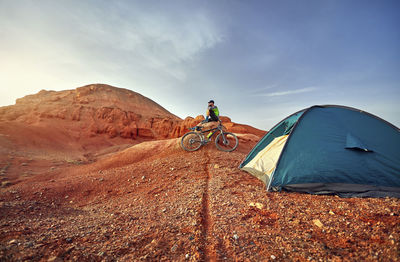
[
  {"x": 259, "y": 142},
  {"x": 287, "y": 141}
]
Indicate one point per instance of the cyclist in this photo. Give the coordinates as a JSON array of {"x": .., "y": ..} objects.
[
  {"x": 212, "y": 112},
  {"x": 212, "y": 118}
]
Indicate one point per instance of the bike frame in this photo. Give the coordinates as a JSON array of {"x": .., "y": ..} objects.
[{"x": 214, "y": 130}]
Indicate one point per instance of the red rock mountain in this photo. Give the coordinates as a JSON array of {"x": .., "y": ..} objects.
[{"x": 84, "y": 119}]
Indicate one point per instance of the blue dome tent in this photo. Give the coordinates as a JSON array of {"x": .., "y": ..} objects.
[{"x": 329, "y": 150}]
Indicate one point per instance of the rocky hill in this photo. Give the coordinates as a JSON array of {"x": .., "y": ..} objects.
[{"x": 83, "y": 120}]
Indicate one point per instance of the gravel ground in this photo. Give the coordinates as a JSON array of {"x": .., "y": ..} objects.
[{"x": 181, "y": 206}]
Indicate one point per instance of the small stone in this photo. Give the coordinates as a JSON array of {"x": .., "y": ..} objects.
[
  {"x": 331, "y": 212},
  {"x": 235, "y": 236},
  {"x": 101, "y": 179},
  {"x": 68, "y": 240},
  {"x": 164, "y": 210},
  {"x": 216, "y": 166},
  {"x": 14, "y": 241},
  {"x": 273, "y": 257},
  {"x": 5, "y": 183},
  {"x": 143, "y": 177},
  {"x": 318, "y": 223},
  {"x": 174, "y": 247},
  {"x": 29, "y": 244},
  {"x": 24, "y": 164},
  {"x": 54, "y": 259},
  {"x": 187, "y": 256},
  {"x": 257, "y": 205}
]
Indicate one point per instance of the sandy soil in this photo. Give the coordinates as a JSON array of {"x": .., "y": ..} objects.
[{"x": 154, "y": 201}]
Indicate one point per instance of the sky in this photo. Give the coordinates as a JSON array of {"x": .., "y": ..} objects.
[{"x": 259, "y": 61}]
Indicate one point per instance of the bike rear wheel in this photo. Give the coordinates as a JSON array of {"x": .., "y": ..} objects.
[
  {"x": 226, "y": 141},
  {"x": 191, "y": 141}
]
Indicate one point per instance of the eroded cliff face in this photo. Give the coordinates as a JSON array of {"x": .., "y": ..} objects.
[
  {"x": 94, "y": 110},
  {"x": 93, "y": 114}
]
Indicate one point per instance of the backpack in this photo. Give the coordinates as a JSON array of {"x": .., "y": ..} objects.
[{"x": 214, "y": 113}]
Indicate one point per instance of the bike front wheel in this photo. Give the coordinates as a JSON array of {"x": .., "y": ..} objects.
[
  {"x": 226, "y": 141},
  {"x": 191, "y": 141}
]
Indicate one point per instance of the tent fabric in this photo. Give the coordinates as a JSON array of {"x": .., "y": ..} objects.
[
  {"x": 264, "y": 163},
  {"x": 352, "y": 142},
  {"x": 282, "y": 128},
  {"x": 337, "y": 150}
]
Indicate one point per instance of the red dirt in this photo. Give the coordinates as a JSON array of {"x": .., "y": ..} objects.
[{"x": 96, "y": 198}]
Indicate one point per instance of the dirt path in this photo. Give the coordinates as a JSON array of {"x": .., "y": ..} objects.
[{"x": 207, "y": 219}]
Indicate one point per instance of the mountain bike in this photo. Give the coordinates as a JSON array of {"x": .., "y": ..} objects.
[{"x": 225, "y": 141}]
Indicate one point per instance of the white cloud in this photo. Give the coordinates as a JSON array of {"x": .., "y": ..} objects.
[
  {"x": 161, "y": 42},
  {"x": 144, "y": 49},
  {"x": 291, "y": 92}
]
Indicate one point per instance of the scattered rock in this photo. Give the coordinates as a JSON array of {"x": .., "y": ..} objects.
[
  {"x": 13, "y": 241},
  {"x": 318, "y": 223},
  {"x": 55, "y": 259},
  {"x": 257, "y": 205},
  {"x": 5, "y": 183},
  {"x": 68, "y": 240},
  {"x": 173, "y": 248},
  {"x": 29, "y": 244}
]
